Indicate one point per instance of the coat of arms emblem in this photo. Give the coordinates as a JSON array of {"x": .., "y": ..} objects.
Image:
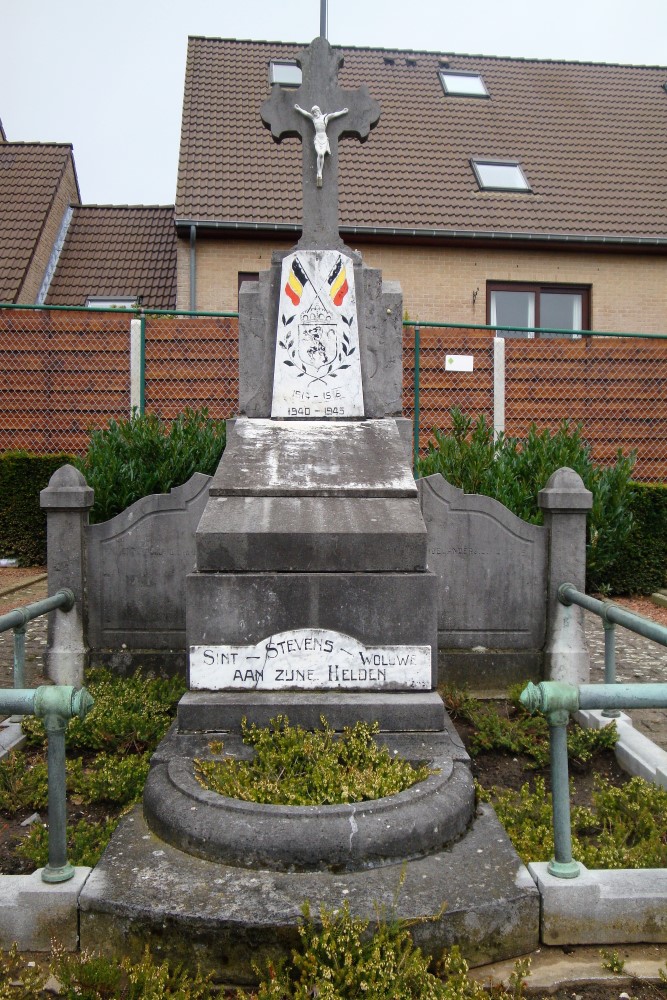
[{"x": 317, "y": 344}]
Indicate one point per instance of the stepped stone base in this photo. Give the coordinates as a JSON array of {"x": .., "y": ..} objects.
[
  {"x": 424, "y": 818},
  {"x": 476, "y": 894},
  {"x": 395, "y": 711}
]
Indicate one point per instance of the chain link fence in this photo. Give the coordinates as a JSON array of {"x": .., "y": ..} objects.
[
  {"x": 614, "y": 385},
  {"x": 64, "y": 372}
]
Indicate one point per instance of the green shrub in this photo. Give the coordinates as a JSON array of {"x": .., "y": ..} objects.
[
  {"x": 510, "y": 728},
  {"x": 22, "y": 522},
  {"x": 514, "y": 470},
  {"x": 23, "y": 784},
  {"x": 338, "y": 959},
  {"x": 86, "y": 842},
  {"x": 640, "y": 567},
  {"x": 625, "y": 828},
  {"x": 130, "y": 715},
  {"x": 298, "y": 767},
  {"x": 134, "y": 458}
]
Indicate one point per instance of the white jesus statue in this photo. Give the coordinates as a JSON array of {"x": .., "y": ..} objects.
[{"x": 320, "y": 121}]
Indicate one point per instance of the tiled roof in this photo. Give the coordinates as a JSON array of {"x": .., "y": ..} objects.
[
  {"x": 591, "y": 138},
  {"x": 29, "y": 177},
  {"x": 116, "y": 252}
]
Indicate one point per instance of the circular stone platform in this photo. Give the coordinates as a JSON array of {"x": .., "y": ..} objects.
[{"x": 350, "y": 837}]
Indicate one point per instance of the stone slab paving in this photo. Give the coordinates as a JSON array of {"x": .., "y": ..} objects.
[
  {"x": 35, "y": 646},
  {"x": 638, "y": 661}
]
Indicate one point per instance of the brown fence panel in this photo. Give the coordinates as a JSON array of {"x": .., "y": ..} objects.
[
  {"x": 61, "y": 375},
  {"x": 65, "y": 372},
  {"x": 440, "y": 389},
  {"x": 191, "y": 361},
  {"x": 615, "y": 387}
]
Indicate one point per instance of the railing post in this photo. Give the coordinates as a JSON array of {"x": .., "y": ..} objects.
[
  {"x": 58, "y": 868},
  {"x": 67, "y": 501},
  {"x": 562, "y": 864},
  {"x": 565, "y": 502},
  {"x": 610, "y": 663}
]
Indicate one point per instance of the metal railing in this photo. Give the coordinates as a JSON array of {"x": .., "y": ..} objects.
[
  {"x": 55, "y": 705},
  {"x": 558, "y": 700},
  {"x": 19, "y": 618}
]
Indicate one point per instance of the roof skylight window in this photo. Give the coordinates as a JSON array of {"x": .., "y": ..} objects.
[
  {"x": 285, "y": 73},
  {"x": 462, "y": 84},
  {"x": 500, "y": 175}
]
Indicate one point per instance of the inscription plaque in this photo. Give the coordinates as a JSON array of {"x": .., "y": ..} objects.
[{"x": 310, "y": 659}]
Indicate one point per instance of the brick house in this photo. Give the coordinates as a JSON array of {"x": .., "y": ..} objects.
[
  {"x": 495, "y": 190},
  {"x": 55, "y": 251}
]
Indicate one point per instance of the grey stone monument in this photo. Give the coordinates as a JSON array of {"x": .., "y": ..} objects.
[
  {"x": 311, "y": 596},
  {"x": 311, "y": 593}
]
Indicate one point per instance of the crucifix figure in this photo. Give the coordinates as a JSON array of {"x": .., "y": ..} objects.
[
  {"x": 320, "y": 121},
  {"x": 284, "y": 114}
]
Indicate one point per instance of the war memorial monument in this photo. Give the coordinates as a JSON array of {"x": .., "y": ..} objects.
[{"x": 311, "y": 597}]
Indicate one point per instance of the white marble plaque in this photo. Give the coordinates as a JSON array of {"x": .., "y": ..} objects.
[
  {"x": 317, "y": 370},
  {"x": 310, "y": 659}
]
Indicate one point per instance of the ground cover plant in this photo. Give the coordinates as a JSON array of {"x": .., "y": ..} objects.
[
  {"x": 514, "y": 470},
  {"x": 616, "y": 822},
  {"x": 296, "y": 766},
  {"x": 107, "y": 762}
]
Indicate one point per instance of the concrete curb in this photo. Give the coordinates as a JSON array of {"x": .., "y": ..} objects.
[
  {"x": 22, "y": 584},
  {"x": 635, "y": 752},
  {"x": 11, "y": 737},
  {"x": 33, "y": 914},
  {"x": 615, "y": 906}
]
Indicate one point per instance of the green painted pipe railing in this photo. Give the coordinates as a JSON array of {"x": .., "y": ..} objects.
[
  {"x": 558, "y": 700},
  {"x": 19, "y": 618},
  {"x": 55, "y": 705}
]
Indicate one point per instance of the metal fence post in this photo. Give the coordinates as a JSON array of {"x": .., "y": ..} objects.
[{"x": 142, "y": 365}]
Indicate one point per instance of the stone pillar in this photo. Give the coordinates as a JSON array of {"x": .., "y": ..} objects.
[
  {"x": 565, "y": 502},
  {"x": 67, "y": 500}
]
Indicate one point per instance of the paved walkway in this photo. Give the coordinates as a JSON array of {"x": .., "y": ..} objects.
[
  {"x": 637, "y": 660},
  {"x": 35, "y": 645}
]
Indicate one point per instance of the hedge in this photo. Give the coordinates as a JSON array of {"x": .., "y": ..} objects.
[
  {"x": 641, "y": 566},
  {"x": 22, "y": 522}
]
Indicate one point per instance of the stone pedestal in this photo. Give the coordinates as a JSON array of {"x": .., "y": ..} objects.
[{"x": 314, "y": 525}]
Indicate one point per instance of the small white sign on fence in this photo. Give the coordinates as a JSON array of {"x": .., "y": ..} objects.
[{"x": 459, "y": 363}]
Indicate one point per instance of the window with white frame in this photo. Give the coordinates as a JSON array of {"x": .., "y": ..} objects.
[
  {"x": 456, "y": 84},
  {"x": 529, "y": 309},
  {"x": 500, "y": 175},
  {"x": 120, "y": 302},
  {"x": 285, "y": 72}
]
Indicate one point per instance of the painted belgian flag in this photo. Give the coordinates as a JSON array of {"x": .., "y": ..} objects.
[
  {"x": 296, "y": 282},
  {"x": 337, "y": 281}
]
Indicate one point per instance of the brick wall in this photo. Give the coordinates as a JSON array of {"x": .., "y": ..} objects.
[{"x": 628, "y": 291}]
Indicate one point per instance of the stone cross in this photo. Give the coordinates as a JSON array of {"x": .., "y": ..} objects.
[{"x": 347, "y": 112}]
